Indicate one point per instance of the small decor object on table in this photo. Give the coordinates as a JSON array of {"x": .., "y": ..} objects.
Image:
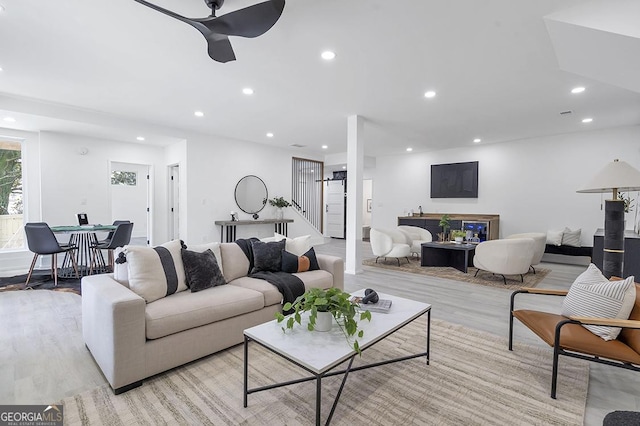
[
  {"x": 381, "y": 306},
  {"x": 458, "y": 235},
  {"x": 279, "y": 203},
  {"x": 445, "y": 225},
  {"x": 333, "y": 301}
]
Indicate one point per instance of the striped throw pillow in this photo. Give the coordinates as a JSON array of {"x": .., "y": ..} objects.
[
  {"x": 571, "y": 238},
  {"x": 593, "y": 295},
  {"x": 156, "y": 272}
]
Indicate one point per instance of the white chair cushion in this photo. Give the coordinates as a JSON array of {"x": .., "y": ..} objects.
[{"x": 593, "y": 295}]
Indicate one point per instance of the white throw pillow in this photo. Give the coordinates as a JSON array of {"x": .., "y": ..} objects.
[
  {"x": 156, "y": 272},
  {"x": 214, "y": 247},
  {"x": 554, "y": 238},
  {"x": 297, "y": 246},
  {"x": 571, "y": 238},
  {"x": 593, "y": 295}
]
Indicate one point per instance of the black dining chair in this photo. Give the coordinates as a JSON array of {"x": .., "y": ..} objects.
[
  {"x": 110, "y": 235},
  {"x": 121, "y": 237},
  {"x": 42, "y": 241}
]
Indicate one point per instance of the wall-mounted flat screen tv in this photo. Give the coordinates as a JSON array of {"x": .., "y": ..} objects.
[{"x": 455, "y": 180}]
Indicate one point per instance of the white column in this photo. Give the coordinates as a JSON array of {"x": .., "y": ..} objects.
[{"x": 355, "y": 166}]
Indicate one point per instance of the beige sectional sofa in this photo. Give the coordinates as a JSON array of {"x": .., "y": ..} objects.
[{"x": 131, "y": 340}]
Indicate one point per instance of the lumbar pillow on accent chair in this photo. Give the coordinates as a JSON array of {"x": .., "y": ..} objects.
[
  {"x": 554, "y": 238},
  {"x": 593, "y": 295},
  {"x": 156, "y": 272}
]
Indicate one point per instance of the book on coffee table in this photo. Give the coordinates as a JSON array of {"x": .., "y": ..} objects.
[{"x": 382, "y": 305}]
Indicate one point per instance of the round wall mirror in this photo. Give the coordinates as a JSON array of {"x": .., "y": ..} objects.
[{"x": 251, "y": 194}]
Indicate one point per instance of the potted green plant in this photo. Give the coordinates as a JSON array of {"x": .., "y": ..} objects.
[
  {"x": 458, "y": 235},
  {"x": 331, "y": 303},
  {"x": 279, "y": 203},
  {"x": 628, "y": 206},
  {"x": 444, "y": 224}
]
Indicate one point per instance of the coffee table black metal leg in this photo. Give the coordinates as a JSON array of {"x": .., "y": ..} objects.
[
  {"x": 318, "y": 398},
  {"x": 428, "y": 335},
  {"x": 344, "y": 380},
  {"x": 246, "y": 369}
]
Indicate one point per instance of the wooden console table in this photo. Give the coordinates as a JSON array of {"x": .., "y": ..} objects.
[
  {"x": 228, "y": 227},
  {"x": 431, "y": 222}
]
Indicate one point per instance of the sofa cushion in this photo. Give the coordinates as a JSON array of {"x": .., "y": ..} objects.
[
  {"x": 214, "y": 247},
  {"x": 297, "y": 246},
  {"x": 271, "y": 294},
  {"x": 593, "y": 295},
  {"x": 306, "y": 262},
  {"x": 554, "y": 238},
  {"x": 235, "y": 262},
  {"x": 186, "y": 310},
  {"x": 201, "y": 270},
  {"x": 316, "y": 279},
  {"x": 156, "y": 272},
  {"x": 267, "y": 257},
  {"x": 571, "y": 238}
]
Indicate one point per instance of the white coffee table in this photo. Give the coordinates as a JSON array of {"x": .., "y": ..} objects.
[{"x": 320, "y": 352}]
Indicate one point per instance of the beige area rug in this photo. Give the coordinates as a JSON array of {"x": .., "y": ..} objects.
[
  {"x": 483, "y": 278},
  {"x": 473, "y": 379}
]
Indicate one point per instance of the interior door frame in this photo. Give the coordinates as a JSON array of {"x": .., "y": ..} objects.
[
  {"x": 150, "y": 197},
  {"x": 173, "y": 227}
]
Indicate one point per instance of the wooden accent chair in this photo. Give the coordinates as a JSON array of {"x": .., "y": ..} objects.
[{"x": 567, "y": 336}]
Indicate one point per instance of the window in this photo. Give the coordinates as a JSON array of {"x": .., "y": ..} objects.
[
  {"x": 124, "y": 178},
  {"x": 11, "y": 201}
]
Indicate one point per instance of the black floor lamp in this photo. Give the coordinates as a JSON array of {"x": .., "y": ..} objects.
[{"x": 615, "y": 176}]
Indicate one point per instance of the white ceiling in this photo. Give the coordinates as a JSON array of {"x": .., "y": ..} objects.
[{"x": 117, "y": 69}]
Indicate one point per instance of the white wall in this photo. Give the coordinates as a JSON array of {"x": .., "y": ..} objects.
[
  {"x": 214, "y": 168},
  {"x": 530, "y": 183}
]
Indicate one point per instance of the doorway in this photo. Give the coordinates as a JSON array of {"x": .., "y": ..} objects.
[
  {"x": 130, "y": 198},
  {"x": 174, "y": 202}
]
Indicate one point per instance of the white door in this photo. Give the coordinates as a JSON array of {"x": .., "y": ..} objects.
[
  {"x": 335, "y": 205},
  {"x": 130, "y": 198},
  {"x": 174, "y": 202}
]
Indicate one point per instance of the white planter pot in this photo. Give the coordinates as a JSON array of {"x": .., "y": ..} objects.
[
  {"x": 324, "y": 321},
  {"x": 459, "y": 239},
  {"x": 279, "y": 213}
]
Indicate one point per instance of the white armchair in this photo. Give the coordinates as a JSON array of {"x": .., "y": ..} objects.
[
  {"x": 540, "y": 244},
  {"x": 415, "y": 237},
  {"x": 505, "y": 257},
  {"x": 389, "y": 243}
]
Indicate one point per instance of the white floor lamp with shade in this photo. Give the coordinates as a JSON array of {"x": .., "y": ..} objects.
[{"x": 615, "y": 176}]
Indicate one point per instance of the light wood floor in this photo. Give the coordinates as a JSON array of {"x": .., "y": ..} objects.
[{"x": 43, "y": 358}]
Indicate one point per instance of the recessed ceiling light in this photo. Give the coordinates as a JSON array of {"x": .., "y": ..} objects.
[
  {"x": 430, "y": 94},
  {"x": 344, "y": 167},
  {"x": 324, "y": 147},
  {"x": 10, "y": 119},
  {"x": 328, "y": 55},
  {"x": 247, "y": 91},
  {"x": 0, "y": 68},
  {"x": 269, "y": 135},
  {"x": 199, "y": 114},
  {"x": 409, "y": 149},
  {"x": 477, "y": 140},
  {"x": 140, "y": 138},
  {"x": 577, "y": 90},
  {"x": 587, "y": 120}
]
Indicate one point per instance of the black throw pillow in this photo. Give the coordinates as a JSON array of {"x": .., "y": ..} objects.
[
  {"x": 267, "y": 257},
  {"x": 292, "y": 263},
  {"x": 201, "y": 270}
]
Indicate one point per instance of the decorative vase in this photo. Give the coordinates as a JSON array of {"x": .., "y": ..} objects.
[
  {"x": 459, "y": 240},
  {"x": 279, "y": 213},
  {"x": 324, "y": 321}
]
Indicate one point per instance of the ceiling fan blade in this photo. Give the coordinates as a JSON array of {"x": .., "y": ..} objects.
[
  {"x": 250, "y": 22},
  {"x": 166, "y": 12},
  {"x": 219, "y": 48}
]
